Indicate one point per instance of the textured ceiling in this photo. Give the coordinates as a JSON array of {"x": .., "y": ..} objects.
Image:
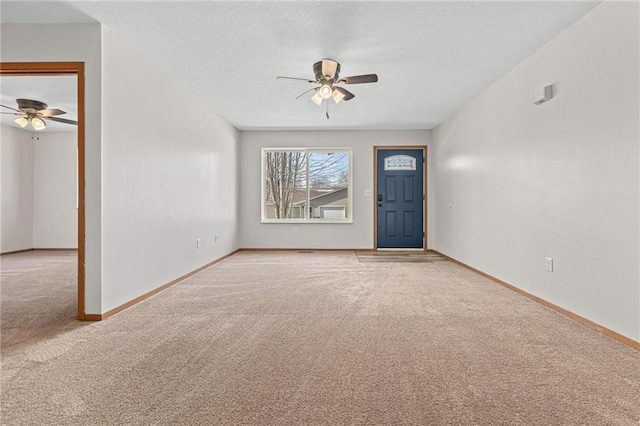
[{"x": 431, "y": 57}]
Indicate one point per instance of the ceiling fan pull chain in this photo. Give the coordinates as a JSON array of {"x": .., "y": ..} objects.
[{"x": 327, "y": 110}]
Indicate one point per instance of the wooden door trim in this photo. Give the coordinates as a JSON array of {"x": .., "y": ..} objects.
[
  {"x": 65, "y": 68},
  {"x": 377, "y": 148}
]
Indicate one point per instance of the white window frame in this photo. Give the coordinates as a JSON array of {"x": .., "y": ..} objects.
[{"x": 263, "y": 190}]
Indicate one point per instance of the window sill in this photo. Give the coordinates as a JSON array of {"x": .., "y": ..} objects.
[{"x": 303, "y": 221}]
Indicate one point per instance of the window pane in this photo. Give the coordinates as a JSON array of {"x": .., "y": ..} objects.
[
  {"x": 306, "y": 184},
  {"x": 285, "y": 183},
  {"x": 328, "y": 185}
]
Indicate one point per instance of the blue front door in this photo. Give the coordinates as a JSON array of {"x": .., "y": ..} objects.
[{"x": 400, "y": 198}]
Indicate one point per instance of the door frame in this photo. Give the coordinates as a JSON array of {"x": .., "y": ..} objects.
[
  {"x": 377, "y": 148},
  {"x": 26, "y": 69}
]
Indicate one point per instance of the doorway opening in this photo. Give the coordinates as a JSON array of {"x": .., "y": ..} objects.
[{"x": 38, "y": 69}]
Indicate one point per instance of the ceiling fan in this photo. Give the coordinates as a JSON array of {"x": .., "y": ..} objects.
[
  {"x": 36, "y": 112},
  {"x": 327, "y": 73}
]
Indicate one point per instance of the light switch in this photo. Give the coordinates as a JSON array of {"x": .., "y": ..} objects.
[
  {"x": 548, "y": 264},
  {"x": 543, "y": 94}
]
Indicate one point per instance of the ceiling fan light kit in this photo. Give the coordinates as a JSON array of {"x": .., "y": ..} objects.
[
  {"x": 22, "y": 122},
  {"x": 327, "y": 72},
  {"x": 325, "y": 91},
  {"x": 317, "y": 97},
  {"x": 36, "y": 113},
  {"x": 337, "y": 95},
  {"x": 38, "y": 123}
]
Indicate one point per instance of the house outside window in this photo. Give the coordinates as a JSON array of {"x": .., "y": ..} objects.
[{"x": 306, "y": 185}]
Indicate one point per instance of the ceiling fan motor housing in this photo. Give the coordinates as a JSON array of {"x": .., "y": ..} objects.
[
  {"x": 317, "y": 70},
  {"x": 26, "y": 104}
]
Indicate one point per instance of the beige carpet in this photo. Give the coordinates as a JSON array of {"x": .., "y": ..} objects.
[
  {"x": 292, "y": 338},
  {"x": 38, "y": 296}
]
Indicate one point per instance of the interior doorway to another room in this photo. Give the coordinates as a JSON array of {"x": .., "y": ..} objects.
[{"x": 61, "y": 85}]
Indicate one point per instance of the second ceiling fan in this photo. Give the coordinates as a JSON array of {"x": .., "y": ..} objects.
[
  {"x": 35, "y": 113},
  {"x": 327, "y": 75}
]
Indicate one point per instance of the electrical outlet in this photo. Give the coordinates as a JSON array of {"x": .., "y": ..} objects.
[
  {"x": 198, "y": 243},
  {"x": 295, "y": 230},
  {"x": 548, "y": 264},
  {"x": 460, "y": 239},
  {"x": 215, "y": 238}
]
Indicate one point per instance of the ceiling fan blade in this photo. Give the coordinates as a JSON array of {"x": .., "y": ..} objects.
[
  {"x": 295, "y": 78},
  {"x": 51, "y": 112},
  {"x": 62, "y": 120},
  {"x": 12, "y": 113},
  {"x": 10, "y": 108},
  {"x": 347, "y": 94},
  {"x": 359, "y": 79},
  {"x": 299, "y": 96},
  {"x": 329, "y": 68}
]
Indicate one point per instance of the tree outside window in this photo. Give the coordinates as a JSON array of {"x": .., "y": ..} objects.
[{"x": 306, "y": 185}]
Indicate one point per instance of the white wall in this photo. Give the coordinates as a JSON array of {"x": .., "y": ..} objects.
[
  {"x": 356, "y": 235},
  {"x": 521, "y": 182},
  {"x": 16, "y": 162},
  {"x": 38, "y": 190},
  {"x": 55, "y": 216},
  {"x": 169, "y": 178},
  {"x": 75, "y": 43},
  {"x": 166, "y": 179}
]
